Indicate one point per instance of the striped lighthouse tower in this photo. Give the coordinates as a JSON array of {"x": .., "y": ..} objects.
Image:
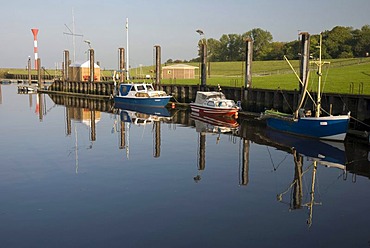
[{"x": 35, "y": 31}]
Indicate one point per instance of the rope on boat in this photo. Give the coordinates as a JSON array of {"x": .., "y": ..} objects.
[{"x": 363, "y": 123}]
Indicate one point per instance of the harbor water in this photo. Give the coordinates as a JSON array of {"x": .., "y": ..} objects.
[{"x": 84, "y": 174}]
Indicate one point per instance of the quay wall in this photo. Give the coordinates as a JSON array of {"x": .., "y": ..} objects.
[{"x": 252, "y": 100}]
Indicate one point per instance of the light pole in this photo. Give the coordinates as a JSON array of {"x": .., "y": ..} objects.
[
  {"x": 89, "y": 44},
  {"x": 203, "y": 59}
]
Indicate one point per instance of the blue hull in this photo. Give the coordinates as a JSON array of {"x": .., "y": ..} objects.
[
  {"x": 143, "y": 109},
  {"x": 312, "y": 148},
  {"x": 330, "y": 128},
  {"x": 158, "y": 102}
]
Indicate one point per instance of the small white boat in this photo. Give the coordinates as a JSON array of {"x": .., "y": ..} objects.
[
  {"x": 214, "y": 103},
  {"x": 141, "y": 94}
]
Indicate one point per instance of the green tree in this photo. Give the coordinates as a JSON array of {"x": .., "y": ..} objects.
[
  {"x": 338, "y": 42},
  {"x": 261, "y": 42},
  {"x": 361, "y": 41},
  {"x": 231, "y": 48},
  {"x": 292, "y": 49}
]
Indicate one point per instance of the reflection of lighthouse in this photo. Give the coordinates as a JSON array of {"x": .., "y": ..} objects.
[{"x": 35, "y": 31}]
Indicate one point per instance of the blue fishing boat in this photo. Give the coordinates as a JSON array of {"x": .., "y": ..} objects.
[
  {"x": 302, "y": 123},
  {"x": 141, "y": 94}
]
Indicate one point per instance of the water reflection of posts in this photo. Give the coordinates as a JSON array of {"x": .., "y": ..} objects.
[
  {"x": 93, "y": 129},
  {"x": 202, "y": 155},
  {"x": 312, "y": 194},
  {"x": 298, "y": 189},
  {"x": 1, "y": 96},
  {"x": 157, "y": 144},
  {"x": 296, "y": 185},
  {"x": 68, "y": 121},
  {"x": 40, "y": 106},
  {"x": 122, "y": 137},
  {"x": 244, "y": 178}
]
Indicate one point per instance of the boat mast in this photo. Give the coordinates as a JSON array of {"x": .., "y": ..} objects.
[
  {"x": 127, "y": 55},
  {"x": 319, "y": 73}
]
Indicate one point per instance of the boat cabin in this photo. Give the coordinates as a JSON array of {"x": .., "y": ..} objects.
[{"x": 213, "y": 99}]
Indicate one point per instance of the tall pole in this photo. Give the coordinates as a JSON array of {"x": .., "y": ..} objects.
[
  {"x": 157, "y": 65},
  {"x": 29, "y": 71},
  {"x": 92, "y": 65},
  {"x": 319, "y": 73},
  {"x": 127, "y": 54},
  {"x": 35, "y": 49},
  {"x": 39, "y": 79},
  {"x": 304, "y": 62},
  {"x": 203, "y": 80},
  {"x": 122, "y": 63},
  {"x": 248, "y": 62},
  {"x": 66, "y": 66}
]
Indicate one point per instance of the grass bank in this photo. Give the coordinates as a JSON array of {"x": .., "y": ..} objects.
[{"x": 341, "y": 76}]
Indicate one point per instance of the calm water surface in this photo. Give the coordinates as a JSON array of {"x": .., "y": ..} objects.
[{"x": 72, "y": 177}]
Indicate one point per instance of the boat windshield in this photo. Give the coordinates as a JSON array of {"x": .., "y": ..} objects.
[
  {"x": 140, "y": 87},
  {"x": 149, "y": 87}
]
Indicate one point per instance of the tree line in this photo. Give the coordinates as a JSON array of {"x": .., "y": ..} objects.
[{"x": 340, "y": 42}]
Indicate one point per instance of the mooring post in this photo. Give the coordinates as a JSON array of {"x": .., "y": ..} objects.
[
  {"x": 122, "y": 64},
  {"x": 203, "y": 66},
  {"x": 66, "y": 66},
  {"x": 248, "y": 62},
  {"x": 91, "y": 65},
  {"x": 157, "y": 66},
  {"x": 29, "y": 71},
  {"x": 304, "y": 60},
  {"x": 39, "y": 81}
]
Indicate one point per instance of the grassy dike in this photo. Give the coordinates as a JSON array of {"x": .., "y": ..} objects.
[{"x": 342, "y": 76}]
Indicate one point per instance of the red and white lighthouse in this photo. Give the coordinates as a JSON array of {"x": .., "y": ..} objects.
[{"x": 35, "y": 31}]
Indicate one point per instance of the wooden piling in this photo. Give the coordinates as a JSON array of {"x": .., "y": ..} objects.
[
  {"x": 29, "y": 71},
  {"x": 248, "y": 62},
  {"x": 39, "y": 81},
  {"x": 122, "y": 64},
  {"x": 66, "y": 66},
  {"x": 91, "y": 65},
  {"x": 158, "y": 69},
  {"x": 304, "y": 59},
  {"x": 203, "y": 66}
]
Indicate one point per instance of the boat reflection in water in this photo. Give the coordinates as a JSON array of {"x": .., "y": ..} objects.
[
  {"x": 141, "y": 116},
  {"x": 308, "y": 154},
  {"x": 212, "y": 124}
]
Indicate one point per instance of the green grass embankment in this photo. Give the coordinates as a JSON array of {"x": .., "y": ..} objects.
[{"x": 341, "y": 76}]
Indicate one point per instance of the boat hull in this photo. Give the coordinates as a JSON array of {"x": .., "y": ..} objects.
[
  {"x": 200, "y": 109},
  {"x": 327, "y": 128},
  {"x": 223, "y": 121},
  {"x": 158, "y": 102}
]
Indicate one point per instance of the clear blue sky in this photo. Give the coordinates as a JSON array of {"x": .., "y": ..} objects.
[{"x": 170, "y": 24}]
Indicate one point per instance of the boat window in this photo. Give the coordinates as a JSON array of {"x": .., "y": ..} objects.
[
  {"x": 150, "y": 87},
  {"x": 133, "y": 88},
  {"x": 211, "y": 103},
  {"x": 222, "y": 104},
  {"x": 140, "y": 87}
]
